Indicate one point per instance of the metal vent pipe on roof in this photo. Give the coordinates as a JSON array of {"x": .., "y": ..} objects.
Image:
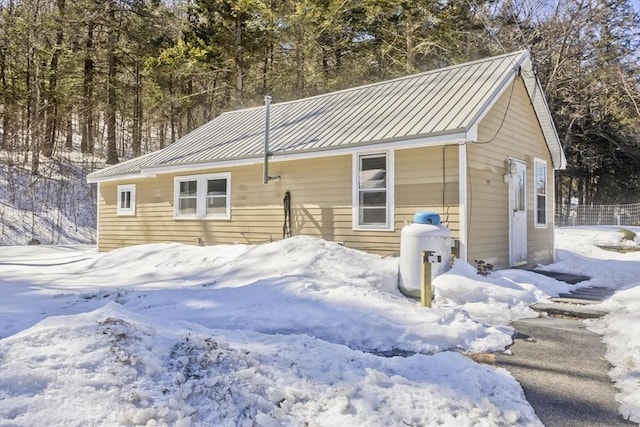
[{"x": 265, "y": 170}]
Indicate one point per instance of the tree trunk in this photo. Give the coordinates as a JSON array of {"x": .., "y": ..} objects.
[
  {"x": 239, "y": 28},
  {"x": 162, "y": 134},
  {"x": 172, "y": 113},
  {"x": 325, "y": 63},
  {"x": 52, "y": 109},
  {"x": 212, "y": 106},
  {"x": 411, "y": 47},
  {"x": 69, "y": 130},
  {"x": 147, "y": 137},
  {"x": 4, "y": 141},
  {"x": 87, "y": 144},
  {"x": 189, "y": 105},
  {"x": 112, "y": 148},
  {"x": 299, "y": 60},
  {"x": 136, "y": 143},
  {"x": 33, "y": 136}
]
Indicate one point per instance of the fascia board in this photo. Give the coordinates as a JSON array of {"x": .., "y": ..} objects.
[
  {"x": 495, "y": 96},
  {"x": 430, "y": 141},
  {"x": 561, "y": 162},
  {"x": 126, "y": 177}
]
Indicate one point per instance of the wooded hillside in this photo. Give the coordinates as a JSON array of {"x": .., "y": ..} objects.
[{"x": 120, "y": 78}]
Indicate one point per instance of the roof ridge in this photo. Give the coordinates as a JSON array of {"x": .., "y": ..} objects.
[
  {"x": 438, "y": 103},
  {"x": 384, "y": 82}
]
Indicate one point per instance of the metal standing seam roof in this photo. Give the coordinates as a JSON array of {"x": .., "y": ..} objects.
[{"x": 447, "y": 101}]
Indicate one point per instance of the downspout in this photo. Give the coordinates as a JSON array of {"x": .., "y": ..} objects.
[{"x": 462, "y": 199}]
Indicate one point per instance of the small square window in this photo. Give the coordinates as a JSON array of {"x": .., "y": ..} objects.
[{"x": 126, "y": 204}]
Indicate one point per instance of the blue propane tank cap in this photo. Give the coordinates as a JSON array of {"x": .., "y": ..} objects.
[{"x": 426, "y": 217}]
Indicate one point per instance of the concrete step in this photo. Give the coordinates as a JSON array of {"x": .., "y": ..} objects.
[
  {"x": 581, "y": 295},
  {"x": 590, "y": 293},
  {"x": 574, "y": 300},
  {"x": 572, "y": 310},
  {"x": 569, "y": 278},
  {"x": 594, "y": 290}
]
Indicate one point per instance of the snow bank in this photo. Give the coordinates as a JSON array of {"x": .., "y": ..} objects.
[
  {"x": 620, "y": 331},
  {"x": 494, "y": 299},
  {"x": 579, "y": 253},
  {"x": 286, "y": 333},
  {"x": 301, "y": 285},
  {"x": 112, "y": 367}
]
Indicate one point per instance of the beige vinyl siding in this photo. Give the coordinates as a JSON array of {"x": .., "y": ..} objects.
[
  {"x": 321, "y": 203},
  {"x": 517, "y": 135},
  {"x": 420, "y": 184}
]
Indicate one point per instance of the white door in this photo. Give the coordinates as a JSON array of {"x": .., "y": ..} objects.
[{"x": 518, "y": 214}]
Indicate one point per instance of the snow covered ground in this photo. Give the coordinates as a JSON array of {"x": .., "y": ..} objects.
[
  {"x": 297, "y": 332},
  {"x": 55, "y": 207}
]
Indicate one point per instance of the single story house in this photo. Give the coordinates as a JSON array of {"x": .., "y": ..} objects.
[{"x": 473, "y": 142}]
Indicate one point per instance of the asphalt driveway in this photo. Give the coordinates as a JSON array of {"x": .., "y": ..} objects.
[{"x": 561, "y": 367}]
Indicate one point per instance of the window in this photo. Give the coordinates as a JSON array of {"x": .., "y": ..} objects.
[
  {"x": 541, "y": 193},
  {"x": 202, "y": 196},
  {"x": 373, "y": 195},
  {"x": 520, "y": 189},
  {"x": 126, "y": 200},
  {"x": 216, "y": 196},
  {"x": 187, "y": 198}
]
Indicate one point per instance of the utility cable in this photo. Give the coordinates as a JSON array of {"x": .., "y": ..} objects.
[{"x": 506, "y": 111}]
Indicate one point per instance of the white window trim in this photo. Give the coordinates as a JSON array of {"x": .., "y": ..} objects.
[
  {"x": 176, "y": 196},
  {"x": 227, "y": 211},
  {"x": 201, "y": 196},
  {"x": 536, "y": 224},
  {"x": 355, "y": 210},
  {"x": 131, "y": 210}
]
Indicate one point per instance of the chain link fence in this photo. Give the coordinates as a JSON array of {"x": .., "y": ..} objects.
[{"x": 571, "y": 215}]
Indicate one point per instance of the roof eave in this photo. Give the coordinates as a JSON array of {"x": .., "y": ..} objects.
[
  {"x": 543, "y": 114},
  {"x": 456, "y": 137},
  {"x": 124, "y": 177},
  {"x": 506, "y": 81}
]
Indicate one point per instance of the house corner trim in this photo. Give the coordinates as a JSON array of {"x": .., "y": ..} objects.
[{"x": 462, "y": 171}]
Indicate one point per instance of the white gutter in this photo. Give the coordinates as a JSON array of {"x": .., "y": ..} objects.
[
  {"x": 432, "y": 141},
  {"x": 126, "y": 177}
]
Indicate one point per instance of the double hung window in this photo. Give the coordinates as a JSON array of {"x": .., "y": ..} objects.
[
  {"x": 373, "y": 195},
  {"x": 540, "y": 200},
  {"x": 203, "y": 196},
  {"x": 188, "y": 198}
]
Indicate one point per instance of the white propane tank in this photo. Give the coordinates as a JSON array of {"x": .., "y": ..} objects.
[{"x": 425, "y": 234}]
